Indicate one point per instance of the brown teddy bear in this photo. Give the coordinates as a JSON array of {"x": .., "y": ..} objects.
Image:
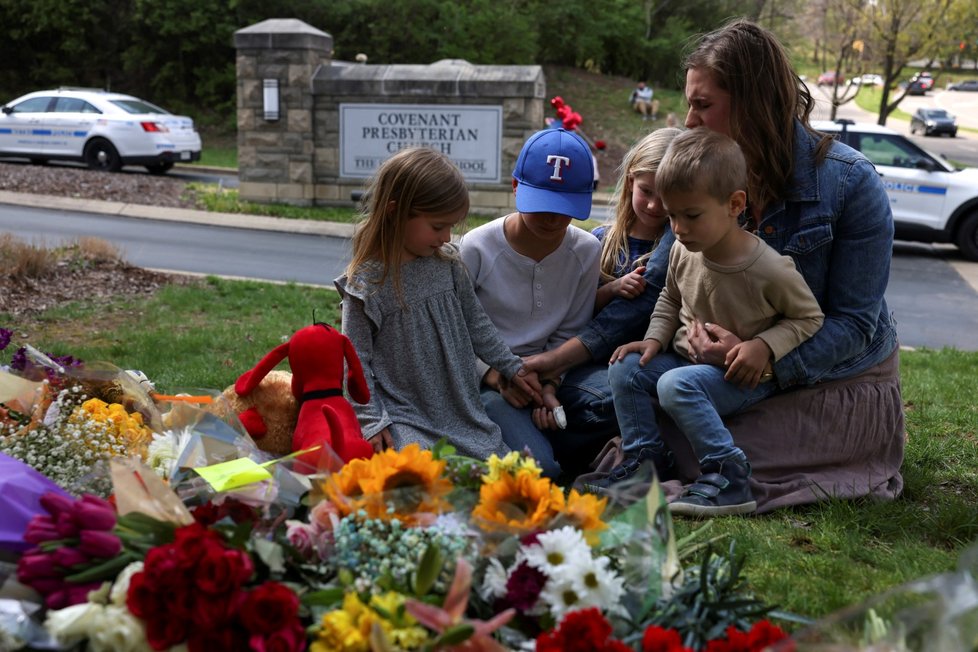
[{"x": 269, "y": 412}]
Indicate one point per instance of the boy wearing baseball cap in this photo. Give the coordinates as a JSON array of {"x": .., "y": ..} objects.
[{"x": 536, "y": 276}]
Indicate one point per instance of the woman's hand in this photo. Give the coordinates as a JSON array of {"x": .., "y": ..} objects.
[
  {"x": 710, "y": 344},
  {"x": 382, "y": 441}
]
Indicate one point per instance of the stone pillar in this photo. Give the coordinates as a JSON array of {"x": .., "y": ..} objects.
[{"x": 275, "y": 157}]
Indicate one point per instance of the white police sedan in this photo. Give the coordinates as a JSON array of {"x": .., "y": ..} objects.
[
  {"x": 104, "y": 130},
  {"x": 931, "y": 201}
]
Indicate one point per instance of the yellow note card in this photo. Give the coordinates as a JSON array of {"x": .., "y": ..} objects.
[{"x": 233, "y": 474}]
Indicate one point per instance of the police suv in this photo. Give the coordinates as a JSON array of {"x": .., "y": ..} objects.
[
  {"x": 931, "y": 201},
  {"x": 102, "y": 129}
]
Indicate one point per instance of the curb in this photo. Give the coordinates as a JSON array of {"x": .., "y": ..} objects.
[{"x": 143, "y": 211}]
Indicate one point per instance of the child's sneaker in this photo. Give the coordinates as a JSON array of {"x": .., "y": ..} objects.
[
  {"x": 665, "y": 467},
  {"x": 722, "y": 489}
]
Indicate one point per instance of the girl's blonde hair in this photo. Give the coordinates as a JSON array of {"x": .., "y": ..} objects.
[
  {"x": 642, "y": 158},
  {"x": 414, "y": 181}
]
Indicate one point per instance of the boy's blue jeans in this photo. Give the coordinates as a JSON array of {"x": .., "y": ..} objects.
[{"x": 695, "y": 395}]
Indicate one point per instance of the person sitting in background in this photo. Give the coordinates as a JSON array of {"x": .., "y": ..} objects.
[{"x": 641, "y": 100}]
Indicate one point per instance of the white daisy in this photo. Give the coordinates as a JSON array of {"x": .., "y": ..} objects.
[
  {"x": 561, "y": 597},
  {"x": 599, "y": 586},
  {"x": 559, "y": 554},
  {"x": 494, "y": 581}
]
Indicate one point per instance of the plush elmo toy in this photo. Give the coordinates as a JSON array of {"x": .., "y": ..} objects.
[{"x": 317, "y": 354}]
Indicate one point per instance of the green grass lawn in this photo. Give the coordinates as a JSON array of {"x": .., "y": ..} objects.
[{"x": 809, "y": 560}]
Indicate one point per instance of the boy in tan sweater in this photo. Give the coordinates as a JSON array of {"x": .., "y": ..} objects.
[{"x": 721, "y": 274}]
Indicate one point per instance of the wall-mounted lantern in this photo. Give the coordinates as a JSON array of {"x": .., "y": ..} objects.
[{"x": 270, "y": 99}]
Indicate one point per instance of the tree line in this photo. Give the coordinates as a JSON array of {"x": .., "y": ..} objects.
[{"x": 180, "y": 53}]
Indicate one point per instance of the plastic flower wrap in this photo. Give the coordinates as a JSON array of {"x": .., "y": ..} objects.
[
  {"x": 938, "y": 613},
  {"x": 76, "y": 417}
]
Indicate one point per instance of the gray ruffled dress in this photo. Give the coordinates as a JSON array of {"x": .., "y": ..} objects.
[{"x": 419, "y": 354}]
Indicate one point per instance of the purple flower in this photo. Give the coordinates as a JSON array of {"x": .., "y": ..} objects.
[
  {"x": 523, "y": 587},
  {"x": 5, "y": 336}
]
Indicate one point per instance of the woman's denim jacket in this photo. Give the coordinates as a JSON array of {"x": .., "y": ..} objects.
[{"x": 837, "y": 226}]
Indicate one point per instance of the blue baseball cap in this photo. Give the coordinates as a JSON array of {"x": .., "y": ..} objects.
[{"x": 555, "y": 171}]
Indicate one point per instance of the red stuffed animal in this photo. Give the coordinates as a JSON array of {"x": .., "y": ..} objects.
[{"x": 316, "y": 355}]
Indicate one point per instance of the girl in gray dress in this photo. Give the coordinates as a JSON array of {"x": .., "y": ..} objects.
[{"x": 410, "y": 311}]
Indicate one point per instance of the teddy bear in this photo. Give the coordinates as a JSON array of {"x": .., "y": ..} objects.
[
  {"x": 269, "y": 413},
  {"x": 317, "y": 355}
]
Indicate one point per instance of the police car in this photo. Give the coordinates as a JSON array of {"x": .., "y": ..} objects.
[
  {"x": 104, "y": 130},
  {"x": 931, "y": 201}
]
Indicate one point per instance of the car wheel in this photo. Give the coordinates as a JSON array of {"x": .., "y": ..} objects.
[
  {"x": 101, "y": 155},
  {"x": 160, "y": 168},
  {"x": 967, "y": 237}
]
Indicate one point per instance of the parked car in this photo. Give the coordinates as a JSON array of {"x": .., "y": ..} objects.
[
  {"x": 104, "y": 130},
  {"x": 931, "y": 201},
  {"x": 925, "y": 79},
  {"x": 966, "y": 85},
  {"x": 914, "y": 87},
  {"x": 933, "y": 122},
  {"x": 869, "y": 79},
  {"x": 830, "y": 78}
]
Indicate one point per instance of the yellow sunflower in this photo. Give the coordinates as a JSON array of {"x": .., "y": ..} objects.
[
  {"x": 408, "y": 485},
  {"x": 520, "y": 502},
  {"x": 344, "y": 488},
  {"x": 584, "y": 511}
]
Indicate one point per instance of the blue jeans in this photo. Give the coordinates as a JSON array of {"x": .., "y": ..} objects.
[
  {"x": 519, "y": 431},
  {"x": 695, "y": 395}
]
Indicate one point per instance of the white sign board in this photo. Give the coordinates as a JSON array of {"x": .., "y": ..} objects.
[{"x": 469, "y": 135}]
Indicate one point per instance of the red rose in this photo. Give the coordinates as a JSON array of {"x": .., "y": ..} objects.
[
  {"x": 142, "y": 599},
  {"x": 289, "y": 639},
  {"x": 163, "y": 568},
  {"x": 215, "y": 638},
  {"x": 222, "y": 570},
  {"x": 163, "y": 633},
  {"x": 585, "y": 630},
  {"x": 191, "y": 541},
  {"x": 206, "y": 514},
  {"x": 269, "y": 608},
  {"x": 214, "y": 611}
]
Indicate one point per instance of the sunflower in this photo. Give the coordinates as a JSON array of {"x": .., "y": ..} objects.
[
  {"x": 407, "y": 485},
  {"x": 520, "y": 502},
  {"x": 584, "y": 511},
  {"x": 344, "y": 488}
]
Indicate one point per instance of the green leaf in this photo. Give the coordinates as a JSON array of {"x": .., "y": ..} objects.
[
  {"x": 455, "y": 635},
  {"x": 324, "y": 597},
  {"x": 429, "y": 568},
  {"x": 107, "y": 570}
]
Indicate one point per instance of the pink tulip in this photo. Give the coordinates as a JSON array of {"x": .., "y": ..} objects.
[
  {"x": 55, "y": 503},
  {"x": 78, "y": 593},
  {"x": 48, "y": 585},
  {"x": 97, "y": 544},
  {"x": 66, "y": 525},
  {"x": 92, "y": 516},
  {"x": 67, "y": 557},
  {"x": 36, "y": 534},
  {"x": 36, "y": 566}
]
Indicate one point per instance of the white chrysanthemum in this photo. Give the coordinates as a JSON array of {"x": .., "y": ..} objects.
[
  {"x": 559, "y": 554},
  {"x": 162, "y": 454},
  {"x": 120, "y": 589},
  {"x": 561, "y": 596},
  {"x": 494, "y": 582},
  {"x": 599, "y": 586}
]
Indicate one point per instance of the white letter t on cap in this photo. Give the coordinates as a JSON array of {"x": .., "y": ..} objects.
[{"x": 559, "y": 162}]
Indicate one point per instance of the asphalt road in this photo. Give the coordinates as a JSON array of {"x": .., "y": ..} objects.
[{"x": 933, "y": 293}]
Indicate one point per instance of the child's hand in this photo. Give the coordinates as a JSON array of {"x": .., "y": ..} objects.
[
  {"x": 631, "y": 284},
  {"x": 528, "y": 382},
  {"x": 382, "y": 441},
  {"x": 543, "y": 416},
  {"x": 648, "y": 348},
  {"x": 745, "y": 362}
]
